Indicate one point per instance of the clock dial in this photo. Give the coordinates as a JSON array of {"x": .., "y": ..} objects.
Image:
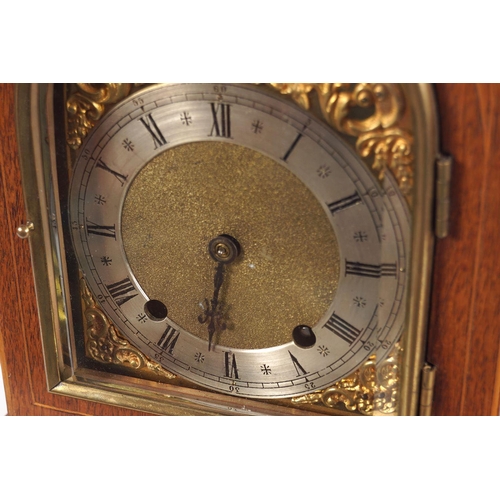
[{"x": 237, "y": 241}]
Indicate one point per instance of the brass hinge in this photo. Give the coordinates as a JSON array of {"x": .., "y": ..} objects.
[
  {"x": 442, "y": 208},
  {"x": 427, "y": 389}
]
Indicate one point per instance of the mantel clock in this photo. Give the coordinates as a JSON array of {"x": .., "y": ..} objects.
[{"x": 234, "y": 249}]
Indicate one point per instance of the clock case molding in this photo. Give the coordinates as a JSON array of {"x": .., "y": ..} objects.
[{"x": 152, "y": 390}]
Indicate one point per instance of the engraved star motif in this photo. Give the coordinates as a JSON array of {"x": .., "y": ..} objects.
[
  {"x": 265, "y": 369},
  {"x": 128, "y": 145},
  {"x": 360, "y": 236},
  {"x": 186, "y": 118},
  {"x": 324, "y": 171},
  {"x": 359, "y": 301},
  {"x": 257, "y": 126},
  {"x": 323, "y": 350}
]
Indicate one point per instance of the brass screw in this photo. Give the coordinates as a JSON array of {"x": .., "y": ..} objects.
[
  {"x": 222, "y": 250},
  {"x": 23, "y": 231}
]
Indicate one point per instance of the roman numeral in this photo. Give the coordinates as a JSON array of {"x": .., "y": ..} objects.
[
  {"x": 107, "y": 231},
  {"x": 122, "y": 291},
  {"x": 292, "y": 147},
  {"x": 153, "y": 129},
  {"x": 122, "y": 178},
  {"x": 221, "y": 120},
  {"x": 169, "y": 339},
  {"x": 388, "y": 270},
  {"x": 370, "y": 270},
  {"x": 230, "y": 365},
  {"x": 342, "y": 329},
  {"x": 298, "y": 367},
  {"x": 344, "y": 203}
]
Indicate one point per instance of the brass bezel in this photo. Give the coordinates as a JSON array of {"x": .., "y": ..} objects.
[{"x": 37, "y": 148}]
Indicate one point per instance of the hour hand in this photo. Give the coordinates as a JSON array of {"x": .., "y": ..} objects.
[{"x": 224, "y": 249}]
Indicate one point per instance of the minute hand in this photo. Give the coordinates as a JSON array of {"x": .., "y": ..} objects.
[{"x": 218, "y": 280}]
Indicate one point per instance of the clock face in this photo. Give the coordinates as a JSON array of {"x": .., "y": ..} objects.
[{"x": 237, "y": 241}]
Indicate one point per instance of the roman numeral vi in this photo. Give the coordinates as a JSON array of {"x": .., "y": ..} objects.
[{"x": 230, "y": 365}]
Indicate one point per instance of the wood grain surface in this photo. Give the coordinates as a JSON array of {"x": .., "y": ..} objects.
[
  {"x": 464, "y": 331},
  {"x": 464, "y": 335},
  {"x": 20, "y": 342}
]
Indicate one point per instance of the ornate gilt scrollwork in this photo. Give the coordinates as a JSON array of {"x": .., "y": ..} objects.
[
  {"x": 370, "y": 389},
  {"x": 380, "y": 137},
  {"x": 86, "y": 106},
  {"x": 103, "y": 343},
  {"x": 371, "y": 112}
]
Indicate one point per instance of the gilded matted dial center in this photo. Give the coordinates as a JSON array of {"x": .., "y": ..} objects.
[{"x": 210, "y": 195}]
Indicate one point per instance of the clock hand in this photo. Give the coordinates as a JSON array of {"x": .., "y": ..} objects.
[
  {"x": 224, "y": 249},
  {"x": 218, "y": 280}
]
